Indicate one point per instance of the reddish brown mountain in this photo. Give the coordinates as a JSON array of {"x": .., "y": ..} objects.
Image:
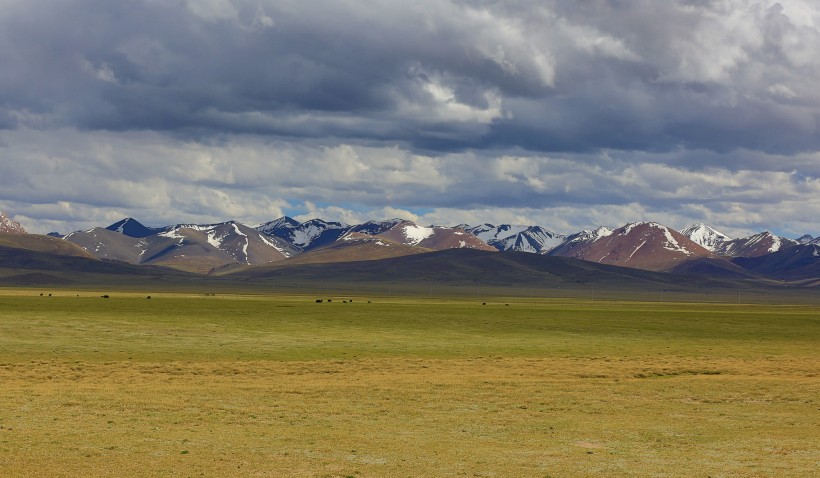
[
  {"x": 645, "y": 245},
  {"x": 10, "y": 226}
]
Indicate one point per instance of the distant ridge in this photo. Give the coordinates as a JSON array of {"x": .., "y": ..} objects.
[{"x": 225, "y": 247}]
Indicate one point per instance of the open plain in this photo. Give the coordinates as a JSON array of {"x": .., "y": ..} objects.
[{"x": 190, "y": 384}]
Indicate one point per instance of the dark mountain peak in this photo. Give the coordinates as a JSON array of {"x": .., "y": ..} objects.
[
  {"x": 322, "y": 222},
  {"x": 132, "y": 228},
  {"x": 805, "y": 239},
  {"x": 377, "y": 227},
  {"x": 283, "y": 223}
]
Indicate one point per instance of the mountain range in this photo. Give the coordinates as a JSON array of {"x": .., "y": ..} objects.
[{"x": 230, "y": 247}]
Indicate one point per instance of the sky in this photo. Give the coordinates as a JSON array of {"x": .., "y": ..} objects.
[{"x": 564, "y": 114}]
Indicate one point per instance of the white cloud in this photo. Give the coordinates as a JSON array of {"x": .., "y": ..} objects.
[{"x": 568, "y": 114}]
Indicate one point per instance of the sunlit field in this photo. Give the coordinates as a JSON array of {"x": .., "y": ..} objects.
[{"x": 269, "y": 385}]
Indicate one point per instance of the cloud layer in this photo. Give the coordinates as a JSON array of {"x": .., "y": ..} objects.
[{"x": 566, "y": 114}]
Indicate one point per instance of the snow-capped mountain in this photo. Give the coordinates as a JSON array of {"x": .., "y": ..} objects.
[
  {"x": 753, "y": 246},
  {"x": 10, "y": 226},
  {"x": 317, "y": 233},
  {"x": 245, "y": 244},
  {"x": 705, "y": 236},
  {"x": 304, "y": 236},
  {"x": 433, "y": 237},
  {"x": 191, "y": 247},
  {"x": 641, "y": 245},
  {"x": 805, "y": 239},
  {"x": 507, "y": 237}
]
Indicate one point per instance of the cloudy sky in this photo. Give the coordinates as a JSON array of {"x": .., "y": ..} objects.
[{"x": 567, "y": 114}]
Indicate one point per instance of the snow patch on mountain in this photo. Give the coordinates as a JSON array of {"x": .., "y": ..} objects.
[
  {"x": 672, "y": 244},
  {"x": 636, "y": 250},
  {"x": 215, "y": 240},
  {"x": 628, "y": 228},
  {"x": 244, "y": 246},
  {"x": 415, "y": 234},
  {"x": 172, "y": 234},
  {"x": 777, "y": 243},
  {"x": 591, "y": 235}
]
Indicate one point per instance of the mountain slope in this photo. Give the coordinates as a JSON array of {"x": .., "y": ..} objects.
[
  {"x": 472, "y": 267},
  {"x": 45, "y": 244},
  {"x": 39, "y": 260},
  {"x": 796, "y": 262}
]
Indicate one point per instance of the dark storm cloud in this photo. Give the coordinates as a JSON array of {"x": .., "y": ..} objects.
[
  {"x": 242, "y": 109},
  {"x": 546, "y": 76}
]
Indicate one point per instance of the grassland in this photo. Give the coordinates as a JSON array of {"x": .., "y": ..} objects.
[{"x": 271, "y": 385}]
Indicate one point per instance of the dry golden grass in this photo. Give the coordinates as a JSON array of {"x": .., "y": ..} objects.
[{"x": 88, "y": 410}]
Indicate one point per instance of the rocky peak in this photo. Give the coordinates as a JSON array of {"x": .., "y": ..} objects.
[{"x": 10, "y": 226}]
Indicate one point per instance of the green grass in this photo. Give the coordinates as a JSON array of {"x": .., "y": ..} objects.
[
  {"x": 200, "y": 327},
  {"x": 265, "y": 385}
]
